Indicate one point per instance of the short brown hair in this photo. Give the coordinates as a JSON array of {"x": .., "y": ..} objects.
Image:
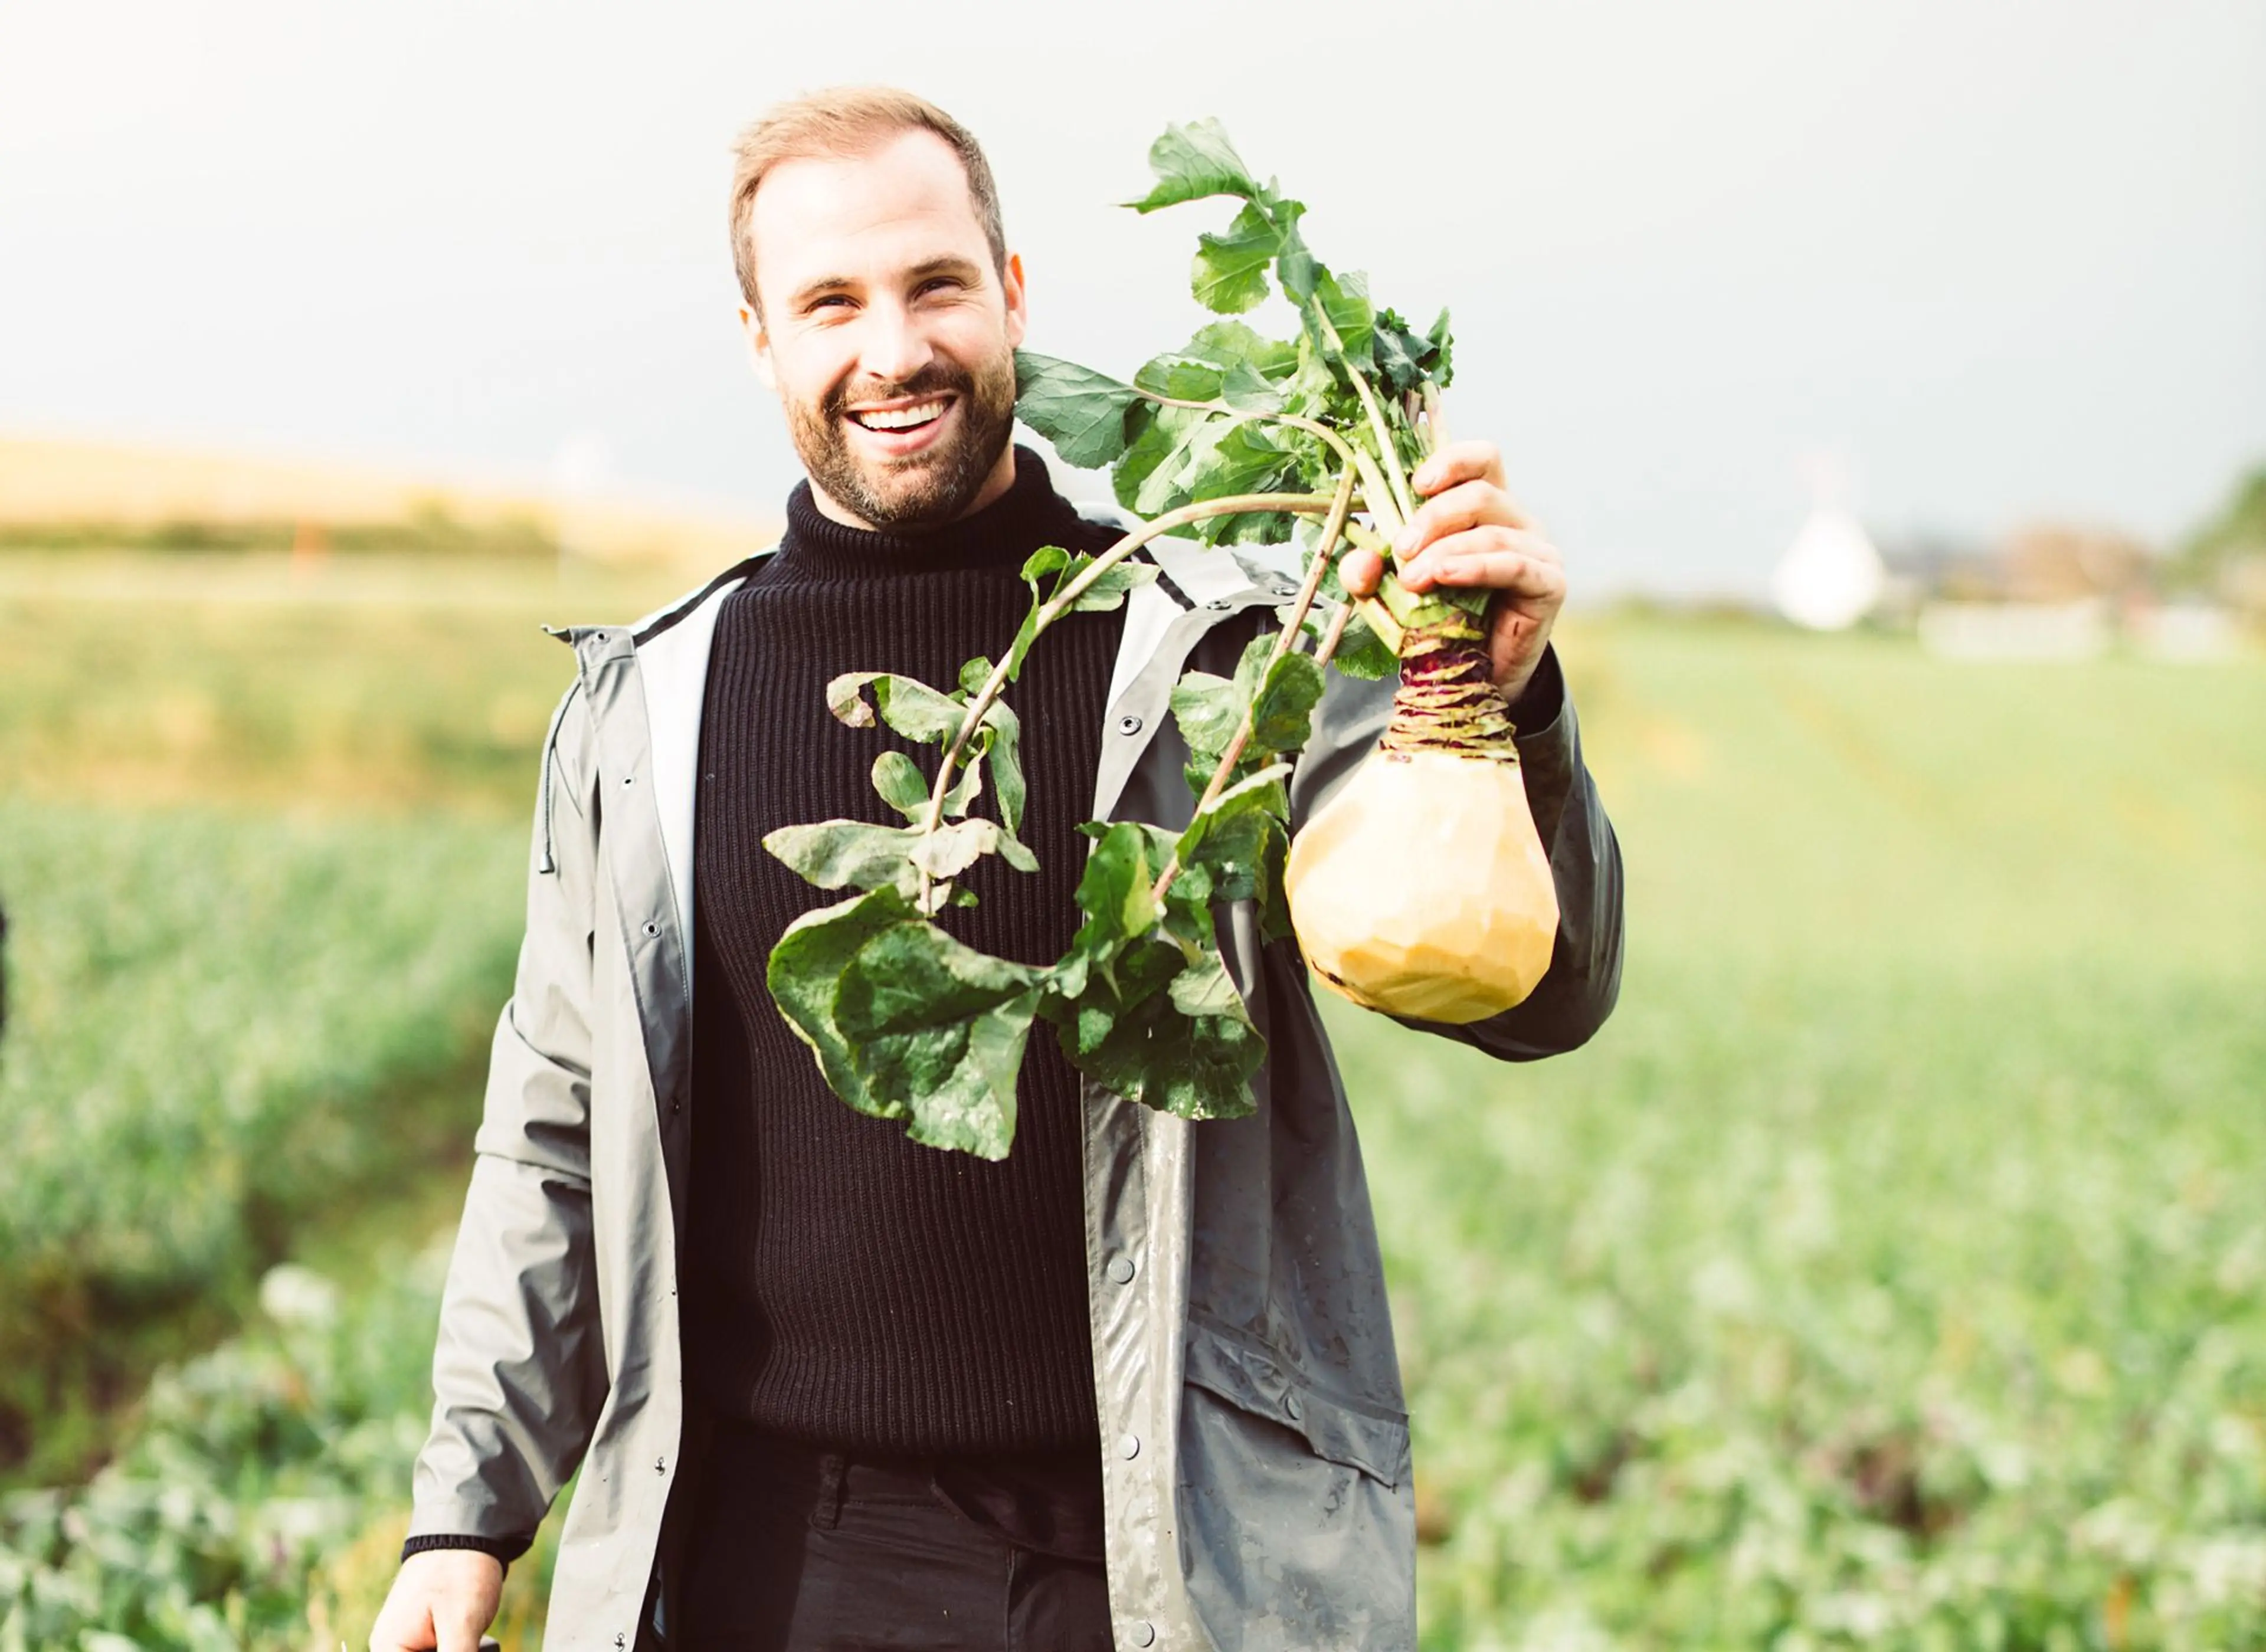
[{"x": 843, "y": 122}]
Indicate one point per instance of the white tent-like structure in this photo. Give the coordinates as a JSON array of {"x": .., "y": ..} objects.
[{"x": 1832, "y": 576}]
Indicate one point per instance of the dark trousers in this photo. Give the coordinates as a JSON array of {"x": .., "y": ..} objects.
[{"x": 795, "y": 1549}]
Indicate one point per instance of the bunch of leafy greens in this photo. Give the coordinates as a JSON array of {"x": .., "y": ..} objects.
[{"x": 1231, "y": 437}]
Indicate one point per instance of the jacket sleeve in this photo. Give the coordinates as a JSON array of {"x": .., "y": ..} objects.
[
  {"x": 1578, "y": 990},
  {"x": 518, "y": 1369}
]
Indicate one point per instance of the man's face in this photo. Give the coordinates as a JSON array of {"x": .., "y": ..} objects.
[{"x": 888, "y": 332}]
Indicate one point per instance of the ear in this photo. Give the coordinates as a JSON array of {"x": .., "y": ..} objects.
[
  {"x": 759, "y": 347},
  {"x": 1011, "y": 283}
]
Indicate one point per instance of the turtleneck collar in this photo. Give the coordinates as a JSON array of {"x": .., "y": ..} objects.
[{"x": 1003, "y": 534}]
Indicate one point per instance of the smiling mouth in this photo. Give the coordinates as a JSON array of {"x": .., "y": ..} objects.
[{"x": 895, "y": 420}]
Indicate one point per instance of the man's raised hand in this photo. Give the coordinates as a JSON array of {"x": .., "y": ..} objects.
[{"x": 1470, "y": 532}]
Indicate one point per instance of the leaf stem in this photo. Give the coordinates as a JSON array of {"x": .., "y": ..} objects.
[
  {"x": 1436, "y": 416},
  {"x": 1062, "y": 602},
  {"x": 1324, "y": 548}
]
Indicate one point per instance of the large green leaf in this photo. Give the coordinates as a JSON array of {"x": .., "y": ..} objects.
[
  {"x": 849, "y": 854},
  {"x": 938, "y": 1029},
  {"x": 1230, "y": 273},
  {"x": 1192, "y": 162},
  {"x": 1078, "y": 410},
  {"x": 1195, "y": 1061},
  {"x": 804, "y": 972}
]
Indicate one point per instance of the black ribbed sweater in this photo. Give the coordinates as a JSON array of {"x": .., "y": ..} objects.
[{"x": 846, "y": 1285}]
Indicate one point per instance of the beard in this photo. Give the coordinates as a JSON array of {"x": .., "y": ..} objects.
[{"x": 922, "y": 490}]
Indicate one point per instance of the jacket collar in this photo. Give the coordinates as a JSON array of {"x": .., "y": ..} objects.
[{"x": 1198, "y": 588}]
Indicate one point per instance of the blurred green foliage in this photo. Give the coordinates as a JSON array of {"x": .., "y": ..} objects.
[
  {"x": 220, "y": 1028},
  {"x": 1888, "y": 1272}
]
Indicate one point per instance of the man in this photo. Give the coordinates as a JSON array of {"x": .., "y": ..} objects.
[{"x": 1135, "y": 1386}]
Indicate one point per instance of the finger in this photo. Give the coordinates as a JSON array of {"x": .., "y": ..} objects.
[
  {"x": 392, "y": 1634},
  {"x": 460, "y": 1630},
  {"x": 1359, "y": 571},
  {"x": 1458, "y": 462},
  {"x": 1466, "y": 505},
  {"x": 1491, "y": 558}
]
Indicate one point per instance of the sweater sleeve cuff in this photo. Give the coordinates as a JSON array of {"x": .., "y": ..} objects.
[{"x": 505, "y": 1549}]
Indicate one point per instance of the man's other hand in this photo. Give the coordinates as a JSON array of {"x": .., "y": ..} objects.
[
  {"x": 1469, "y": 532},
  {"x": 441, "y": 1601}
]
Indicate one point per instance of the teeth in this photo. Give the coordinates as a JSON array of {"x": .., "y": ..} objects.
[{"x": 901, "y": 418}]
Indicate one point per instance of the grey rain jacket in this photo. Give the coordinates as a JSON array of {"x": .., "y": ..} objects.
[{"x": 1254, "y": 1438}]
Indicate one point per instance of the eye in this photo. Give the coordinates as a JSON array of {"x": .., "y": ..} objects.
[{"x": 935, "y": 283}]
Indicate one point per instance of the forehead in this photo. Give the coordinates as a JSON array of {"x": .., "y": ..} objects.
[{"x": 902, "y": 202}]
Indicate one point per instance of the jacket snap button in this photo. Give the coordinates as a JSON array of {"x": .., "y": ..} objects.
[
  {"x": 661, "y": 1466},
  {"x": 1128, "y": 724},
  {"x": 623, "y": 1640},
  {"x": 1142, "y": 1634},
  {"x": 653, "y": 929},
  {"x": 629, "y": 779},
  {"x": 1121, "y": 1269},
  {"x": 1291, "y": 1407},
  {"x": 1129, "y": 1447}
]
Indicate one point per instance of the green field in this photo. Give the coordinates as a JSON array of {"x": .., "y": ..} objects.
[{"x": 1887, "y": 1273}]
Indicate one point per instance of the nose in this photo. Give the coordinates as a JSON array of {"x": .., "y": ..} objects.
[{"x": 893, "y": 347}]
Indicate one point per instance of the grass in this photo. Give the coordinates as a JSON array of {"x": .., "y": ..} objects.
[{"x": 1887, "y": 1273}]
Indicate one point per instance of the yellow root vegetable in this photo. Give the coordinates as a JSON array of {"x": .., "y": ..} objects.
[{"x": 1422, "y": 889}]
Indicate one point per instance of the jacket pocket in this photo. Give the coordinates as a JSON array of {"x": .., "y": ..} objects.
[{"x": 1253, "y": 1379}]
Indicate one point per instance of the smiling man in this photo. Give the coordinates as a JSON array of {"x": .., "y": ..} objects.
[{"x": 1133, "y": 1387}]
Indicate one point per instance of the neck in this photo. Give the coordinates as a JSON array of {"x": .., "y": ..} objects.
[
  {"x": 995, "y": 487},
  {"x": 1026, "y": 515}
]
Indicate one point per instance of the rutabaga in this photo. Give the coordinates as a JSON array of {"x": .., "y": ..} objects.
[{"x": 1421, "y": 889}]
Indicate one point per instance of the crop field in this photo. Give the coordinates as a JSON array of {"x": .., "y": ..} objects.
[{"x": 1892, "y": 1271}]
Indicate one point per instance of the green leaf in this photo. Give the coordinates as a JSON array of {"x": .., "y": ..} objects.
[
  {"x": 1048, "y": 558},
  {"x": 1443, "y": 350},
  {"x": 804, "y": 973},
  {"x": 968, "y": 781},
  {"x": 1078, "y": 410},
  {"x": 901, "y": 784},
  {"x": 1209, "y": 710},
  {"x": 1110, "y": 586},
  {"x": 1181, "y": 377},
  {"x": 1113, "y": 891},
  {"x": 1282, "y": 710},
  {"x": 1363, "y": 653},
  {"x": 1195, "y": 1064},
  {"x": 1248, "y": 390},
  {"x": 949, "y": 850},
  {"x": 907, "y": 704},
  {"x": 1192, "y": 162},
  {"x": 939, "y": 1030},
  {"x": 1344, "y": 301},
  {"x": 1230, "y": 273},
  {"x": 1000, "y": 757},
  {"x": 848, "y": 854},
  {"x": 1403, "y": 358},
  {"x": 975, "y": 674}
]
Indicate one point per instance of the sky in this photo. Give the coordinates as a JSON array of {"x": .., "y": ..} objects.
[{"x": 1988, "y": 261}]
